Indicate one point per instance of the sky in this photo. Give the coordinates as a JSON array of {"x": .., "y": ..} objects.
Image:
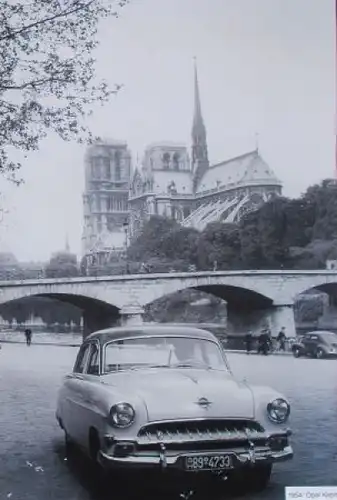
[{"x": 266, "y": 74}]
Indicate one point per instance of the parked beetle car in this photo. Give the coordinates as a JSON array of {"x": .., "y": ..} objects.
[
  {"x": 164, "y": 397},
  {"x": 319, "y": 344}
]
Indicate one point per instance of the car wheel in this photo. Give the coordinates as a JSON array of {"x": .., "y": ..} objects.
[
  {"x": 69, "y": 444},
  {"x": 94, "y": 446},
  {"x": 257, "y": 477},
  {"x": 296, "y": 352},
  {"x": 320, "y": 353}
]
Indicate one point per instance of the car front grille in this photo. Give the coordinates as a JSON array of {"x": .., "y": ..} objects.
[{"x": 206, "y": 434}]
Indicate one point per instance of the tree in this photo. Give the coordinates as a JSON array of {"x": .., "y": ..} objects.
[
  {"x": 181, "y": 244},
  {"x": 273, "y": 231},
  {"x": 151, "y": 242},
  {"x": 10, "y": 268},
  {"x": 62, "y": 265},
  {"x": 250, "y": 239},
  {"x": 323, "y": 199},
  {"x": 219, "y": 243},
  {"x": 300, "y": 219},
  {"x": 47, "y": 71}
]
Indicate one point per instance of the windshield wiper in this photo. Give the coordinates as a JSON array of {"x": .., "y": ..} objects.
[
  {"x": 142, "y": 367},
  {"x": 191, "y": 365}
]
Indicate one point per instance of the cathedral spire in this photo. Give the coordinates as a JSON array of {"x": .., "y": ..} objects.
[
  {"x": 199, "y": 140},
  {"x": 197, "y": 120}
]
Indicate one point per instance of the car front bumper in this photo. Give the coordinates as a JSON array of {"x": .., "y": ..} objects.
[{"x": 173, "y": 460}]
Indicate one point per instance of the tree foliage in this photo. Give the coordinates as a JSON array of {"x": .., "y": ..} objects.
[
  {"x": 284, "y": 233},
  {"x": 62, "y": 265},
  {"x": 47, "y": 71}
]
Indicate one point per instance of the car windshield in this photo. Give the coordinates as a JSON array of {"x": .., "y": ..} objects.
[{"x": 166, "y": 352}]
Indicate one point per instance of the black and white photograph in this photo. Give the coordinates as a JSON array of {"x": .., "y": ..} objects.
[{"x": 168, "y": 249}]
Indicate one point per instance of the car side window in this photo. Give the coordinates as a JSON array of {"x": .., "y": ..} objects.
[
  {"x": 93, "y": 365},
  {"x": 82, "y": 358}
]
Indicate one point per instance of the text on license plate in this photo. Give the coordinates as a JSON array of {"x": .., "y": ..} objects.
[{"x": 208, "y": 462}]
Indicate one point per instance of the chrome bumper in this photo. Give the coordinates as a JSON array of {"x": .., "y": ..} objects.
[{"x": 164, "y": 460}]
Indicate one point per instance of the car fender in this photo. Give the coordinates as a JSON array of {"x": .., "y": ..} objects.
[{"x": 263, "y": 395}]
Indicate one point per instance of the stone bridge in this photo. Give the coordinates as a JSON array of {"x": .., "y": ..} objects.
[{"x": 254, "y": 298}]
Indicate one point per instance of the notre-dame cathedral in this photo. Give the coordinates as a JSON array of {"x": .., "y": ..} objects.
[{"x": 170, "y": 182}]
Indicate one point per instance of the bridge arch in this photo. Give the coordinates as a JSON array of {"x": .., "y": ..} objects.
[
  {"x": 244, "y": 306},
  {"x": 328, "y": 288},
  {"x": 298, "y": 284},
  {"x": 234, "y": 291},
  {"x": 97, "y": 314}
]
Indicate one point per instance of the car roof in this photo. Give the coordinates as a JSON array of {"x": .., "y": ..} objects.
[
  {"x": 319, "y": 332},
  {"x": 155, "y": 330}
]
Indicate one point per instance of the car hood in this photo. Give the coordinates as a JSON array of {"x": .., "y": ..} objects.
[{"x": 174, "y": 393}]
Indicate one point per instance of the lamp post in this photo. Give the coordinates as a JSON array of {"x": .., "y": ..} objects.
[{"x": 126, "y": 228}]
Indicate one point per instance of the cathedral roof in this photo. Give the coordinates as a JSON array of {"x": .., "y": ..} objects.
[{"x": 248, "y": 169}]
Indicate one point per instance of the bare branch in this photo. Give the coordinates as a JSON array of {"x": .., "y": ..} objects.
[
  {"x": 15, "y": 32},
  {"x": 47, "y": 79}
]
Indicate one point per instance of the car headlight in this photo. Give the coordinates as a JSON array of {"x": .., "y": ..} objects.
[
  {"x": 278, "y": 410},
  {"x": 122, "y": 415}
]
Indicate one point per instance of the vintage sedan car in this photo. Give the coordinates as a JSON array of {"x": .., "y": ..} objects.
[
  {"x": 319, "y": 344},
  {"x": 164, "y": 397}
]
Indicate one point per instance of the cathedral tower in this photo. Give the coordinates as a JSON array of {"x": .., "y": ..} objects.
[
  {"x": 107, "y": 176},
  {"x": 200, "y": 161}
]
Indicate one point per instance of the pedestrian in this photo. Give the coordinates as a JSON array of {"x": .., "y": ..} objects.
[
  {"x": 248, "y": 342},
  {"x": 281, "y": 339},
  {"x": 263, "y": 343},
  {"x": 28, "y": 335}
]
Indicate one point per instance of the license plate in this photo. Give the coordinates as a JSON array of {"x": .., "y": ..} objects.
[{"x": 208, "y": 462}]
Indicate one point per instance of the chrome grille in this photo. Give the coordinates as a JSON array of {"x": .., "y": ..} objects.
[{"x": 197, "y": 431}]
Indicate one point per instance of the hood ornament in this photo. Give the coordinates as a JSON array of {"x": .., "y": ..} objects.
[{"x": 204, "y": 403}]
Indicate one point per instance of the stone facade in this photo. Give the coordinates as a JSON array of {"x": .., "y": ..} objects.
[{"x": 105, "y": 201}]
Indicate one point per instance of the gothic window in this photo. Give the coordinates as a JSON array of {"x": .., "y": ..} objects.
[
  {"x": 107, "y": 168},
  {"x": 92, "y": 168},
  {"x": 97, "y": 161},
  {"x": 125, "y": 205},
  {"x": 99, "y": 224},
  {"x": 111, "y": 224},
  {"x": 98, "y": 204},
  {"x": 117, "y": 166},
  {"x": 166, "y": 161},
  {"x": 176, "y": 161},
  {"x": 187, "y": 212},
  {"x": 95, "y": 168},
  {"x": 108, "y": 204}
]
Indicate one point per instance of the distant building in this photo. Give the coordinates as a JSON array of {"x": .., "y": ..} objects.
[
  {"x": 192, "y": 191},
  {"x": 172, "y": 183},
  {"x": 105, "y": 200}
]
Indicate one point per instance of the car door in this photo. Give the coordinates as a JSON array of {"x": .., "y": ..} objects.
[
  {"x": 74, "y": 395},
  {"x": 311, "y": 344},
  {"x": 90, "y": 405}
]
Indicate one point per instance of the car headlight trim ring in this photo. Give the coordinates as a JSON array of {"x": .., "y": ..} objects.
[
  {"x": 122, "y": 415},
  {"x": 278, "y": 410}
]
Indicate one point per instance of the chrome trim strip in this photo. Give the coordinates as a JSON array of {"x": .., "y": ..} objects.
[
  {"x": 201, "y": 419},
  {"x": 244, "y": 458}
]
